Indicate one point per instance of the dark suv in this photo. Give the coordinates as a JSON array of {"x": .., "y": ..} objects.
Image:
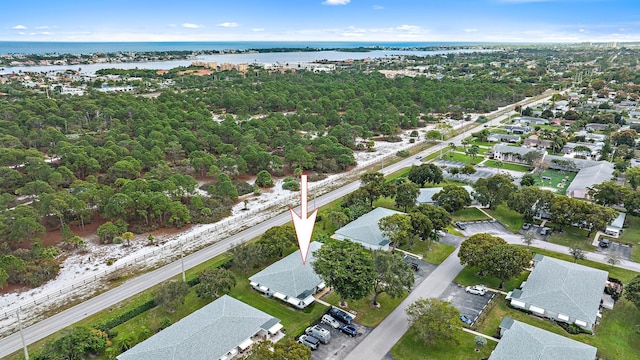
[
  {"x": 341, "y": 315},
  {"x": 461, "y": 226},
  {"x": 604, "y": 243}
]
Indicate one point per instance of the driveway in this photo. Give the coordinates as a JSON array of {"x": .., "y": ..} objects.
[
  {"x": 340, "y": 344},
  {"x": 452, "y": 239},
  {"x": 468, "y": 304}
]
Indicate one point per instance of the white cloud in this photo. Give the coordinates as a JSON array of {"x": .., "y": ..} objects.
[
  {"x": 410, "y": 28},
  {"x": 192, "y": 26},
  {"x": 471, "y": 30},
  {"x": 44, "y": 27},
  {"x": 582, "y": 30},
  {"x": 257, "y": 29},
  {"x": 19, "y": 27},
  {"x": 229, "y": 24},
  {"x": 172, "y": 25},
  {"x": 378, "y": 7},
  {"x": 336, "y": 2},
  {"x": 46, "y": 33},
  {"x": 22, "y": 33}
]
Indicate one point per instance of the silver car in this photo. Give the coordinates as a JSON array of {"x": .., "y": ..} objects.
[
  {"x": 329, "y": 320},
  {"x": 476, "y": 290}
]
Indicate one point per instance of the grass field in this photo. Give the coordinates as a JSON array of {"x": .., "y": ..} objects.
[
  {"x": 572, "y": 236},
  {"x": 511, "y": 219},
  {"x": 436, "y": 255},
  {"x": 367, "y": 314},
  {"x": 469, "y": 214},
  {"x": 412, "y": 347},
  {"x": 456, "y": 156},
  {"x": 469, "y": 276},
  {"x": 506, "y": 166},
  {"x": 631, "y": 233},
  {"x": 556, "y": 179}
]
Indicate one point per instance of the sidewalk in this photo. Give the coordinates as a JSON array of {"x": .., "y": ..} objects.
[{"x": 480, "y": 334}]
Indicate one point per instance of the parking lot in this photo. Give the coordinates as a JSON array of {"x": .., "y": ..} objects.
[
  {"x": 424, "y": 269},
  {"x": 491, "y": 227},
  {"x": 482, "y": 172},
  {"x": 621, "y": 250},
  {"x": 469, "y": 305},
  {"x": 340, "y": 344}
]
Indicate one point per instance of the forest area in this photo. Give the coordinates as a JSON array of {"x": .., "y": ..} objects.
[{"x": 138, "y": 162}]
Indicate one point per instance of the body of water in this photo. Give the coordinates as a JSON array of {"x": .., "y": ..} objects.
[
  {"x": 255, "y": 58},
  {"x": 29, "y": 47}
]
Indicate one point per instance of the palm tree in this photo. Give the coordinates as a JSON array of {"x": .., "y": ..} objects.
[{"x": 452, "y": 146}]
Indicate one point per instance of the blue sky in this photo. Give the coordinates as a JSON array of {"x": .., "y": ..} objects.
[{"x": 321, "y": 20}]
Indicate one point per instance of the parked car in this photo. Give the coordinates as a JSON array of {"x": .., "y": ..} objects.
[
  {"x": 341, "y": 315},
  {"x": 309, "y": 341},
  {"x": 465, "y": 319},
  {"x": 409, "y": 260},
  {"x": 461, "y": 226},
  {"x": 418, "y": 157},
  {"x": 476, "y": 289},
  {"x": 544, "y": 231},
  {"x": 319, "y": 333},
  {"x": 526, "y": 226},
  {"x": 349, "y": 330},
  {"x": 329, "y": 320},
  {"x": 604, "y": 243}
]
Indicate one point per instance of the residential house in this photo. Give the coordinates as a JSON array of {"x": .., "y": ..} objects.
[
  {"x": 519, "y": 130},
  {"x": 587, "y": 177},
  {"x": 221, "y": 330},
  {"x": 290, "y": 280},
  {"x": 493, "y": 137},
  {"x": 365, "y": 230},
  {"x": 528, "y": 120},
  {"x": 426, "y": 195},
  {"x": 615, "y": 228},
  {"x": 593, "y": 152},
  {"x": 562, "y": 291},
  {"x": 595, "y": 127},
  {"x": 534, "y": 141},
  {"x": 591, "y": 136},
  {"x": 511, "y": 153},
  {"x": 523, "y": 341}
]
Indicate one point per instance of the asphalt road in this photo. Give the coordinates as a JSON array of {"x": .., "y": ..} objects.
[{"x": 48, "y": 326}]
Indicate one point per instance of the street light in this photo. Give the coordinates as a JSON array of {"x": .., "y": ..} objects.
[
  {"x": 24, "y": 344},
  {"x": 184, "y": 277}
]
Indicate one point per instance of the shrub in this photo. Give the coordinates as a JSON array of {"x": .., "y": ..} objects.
[
  {"x": 164, "y": 323},
  {"x": 121, "y": 318},
  {"x": 402, "y": 153}
]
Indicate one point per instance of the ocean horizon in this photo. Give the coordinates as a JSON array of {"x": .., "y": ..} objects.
[{"x": 53, "y": 47}]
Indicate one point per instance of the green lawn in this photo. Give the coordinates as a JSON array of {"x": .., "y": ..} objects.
[
  {"x": 572, "y": 236},
  {"x": 511, "y": 219},
  {"x": 436, "y": 255},
  {"x": 411, "y": 347},
  {"x": 456, "y": 156},
  {"x": 469, "y": 214},
  {"x": 469, "y": 276},
  {"x": 482, "y": 143},
  {"x": 615, "y": 337},
  {"x": 506, "y": 166},
  {"x": 556, "y": 179},
  {"x": 367, "y": 314},
  {"x": 385, "y": 202}
]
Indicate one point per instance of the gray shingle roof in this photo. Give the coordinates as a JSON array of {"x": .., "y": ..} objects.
[
  {"x": 565, "y": 288},
  {"x": 526, "y": 342},
  {"x": 208, "y": 333},
  {"x": 289, "y": 276},
  {"x": 365, "y": 228},
  {"x": 590, "y": 176},
  {"x": 513, "y": 149}
]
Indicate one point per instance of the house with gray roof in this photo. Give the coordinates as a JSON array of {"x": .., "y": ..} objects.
[
  {"x": 365, "y": 230},
  {"x": 426, "y": 195},
  {"x": 289, "y": 280},
  {"x": 587, "y": 177},
  {"x": 516, "y": 129},
  {"x": 494, "y": 137},
  {"x": 615, "y": 228},
  {"x": 529, "y": 120},
  {"x": 221, "y": 330},
  {"x": 512, "y": 153},
  {"x": 525, "y": 342},
  {"x": 562, "y": 291}
]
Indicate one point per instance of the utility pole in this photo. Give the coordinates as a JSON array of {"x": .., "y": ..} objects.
[
  {"x": 24, "y": 344},
  {"x": 184, "y": 277}
]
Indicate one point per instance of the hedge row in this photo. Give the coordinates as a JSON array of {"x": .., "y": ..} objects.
[{"x": 126, "y": 316}]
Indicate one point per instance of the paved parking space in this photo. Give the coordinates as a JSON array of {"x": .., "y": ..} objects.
[
  {"x": 621, "y": 250},
  {"x": 468, "y": 304},
  {"x": 491, "y": 227},
  {"x": 340, "y": 344}
]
